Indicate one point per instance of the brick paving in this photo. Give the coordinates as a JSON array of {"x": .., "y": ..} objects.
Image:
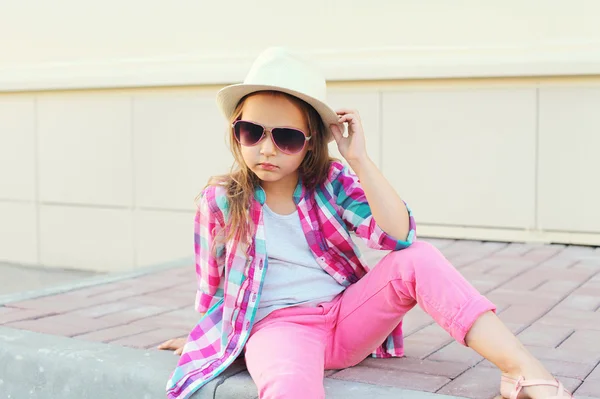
[{"x": 547, "y": 294}]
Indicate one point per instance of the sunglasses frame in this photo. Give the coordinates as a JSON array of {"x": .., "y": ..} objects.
[{"x": 264, "y": 134}]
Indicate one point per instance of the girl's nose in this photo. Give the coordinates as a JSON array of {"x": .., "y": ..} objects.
[{"x": 267, "y": 147}]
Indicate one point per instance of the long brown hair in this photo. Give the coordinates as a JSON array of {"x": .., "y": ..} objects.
[{"x": 241, "y": 182}]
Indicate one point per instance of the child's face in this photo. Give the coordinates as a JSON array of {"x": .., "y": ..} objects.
[{"x": 266, "y": 160}]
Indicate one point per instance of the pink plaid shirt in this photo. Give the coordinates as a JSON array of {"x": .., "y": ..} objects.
[{"x": 230, "y": 276}]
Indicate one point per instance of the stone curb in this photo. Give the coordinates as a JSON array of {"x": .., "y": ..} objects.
[
  {"x": 41, "y": 366},
  {"x": 93, "y": 281}
]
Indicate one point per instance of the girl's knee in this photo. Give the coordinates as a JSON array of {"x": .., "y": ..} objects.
[
  {"x": 417, "y": 251},
  {"x": 423, "y": 248},
  {"x": 420, "y": 255}
]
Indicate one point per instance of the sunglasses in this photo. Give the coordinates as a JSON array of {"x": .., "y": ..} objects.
[{"x": 287, "y": 139}]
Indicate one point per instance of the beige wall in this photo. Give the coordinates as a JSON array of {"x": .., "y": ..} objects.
[
  {"x": 106, "y": 179},
  {"x": 484, "y": 117},
  {"x": 83, "y": 44}
]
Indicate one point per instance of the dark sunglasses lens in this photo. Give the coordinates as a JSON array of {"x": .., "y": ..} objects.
[
  {"x": 288, "y": 140},
  {"x": 248, "y": 133}
]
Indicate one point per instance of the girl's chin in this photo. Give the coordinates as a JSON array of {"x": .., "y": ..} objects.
[{"x": 267, "y": 175}]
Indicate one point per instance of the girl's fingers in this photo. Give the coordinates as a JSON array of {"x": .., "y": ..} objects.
[
  {"x": 165, "y": 345},
  {"x": 343, "y": 111},
  {"x": 337, "y": 133},
  {"x": 174, "y": 343},
  {"x": 346, "y": 118}
]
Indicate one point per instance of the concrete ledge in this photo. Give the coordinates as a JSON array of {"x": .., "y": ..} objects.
[
  {"x": 40, "y": 366},
  {"x": 44, "y": 366},
  {"x": 241, "y": 386}
]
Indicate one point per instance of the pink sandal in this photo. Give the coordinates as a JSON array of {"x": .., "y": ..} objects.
[{"x": 521, "y": 383}]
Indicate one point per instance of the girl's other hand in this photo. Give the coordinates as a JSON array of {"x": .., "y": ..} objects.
[
  {"x": 353, "y": 147},
  {"x": 175, "y": 344}
]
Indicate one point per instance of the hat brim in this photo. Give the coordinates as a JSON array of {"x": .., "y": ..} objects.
[{"x": 229, "y": 97}]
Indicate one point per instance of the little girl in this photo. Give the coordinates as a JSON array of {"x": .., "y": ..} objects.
[{"x": 280, "y": 280}]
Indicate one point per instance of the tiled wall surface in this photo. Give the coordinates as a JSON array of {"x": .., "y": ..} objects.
[{"x": 106, "y": 180}]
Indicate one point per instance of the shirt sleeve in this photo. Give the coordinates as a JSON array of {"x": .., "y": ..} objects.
[
  {"x": 209, "y": 251},
  {"x": 356, "y": 213}
]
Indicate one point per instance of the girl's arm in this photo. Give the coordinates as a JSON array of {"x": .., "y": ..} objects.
[
  {"x": 388, "y": 209},
  {"x": 210, "y": 260},
  {"x": 209, "y": 249}
]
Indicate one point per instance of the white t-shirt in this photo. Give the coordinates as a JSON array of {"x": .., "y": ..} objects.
[{"x": 294, "y": 278}]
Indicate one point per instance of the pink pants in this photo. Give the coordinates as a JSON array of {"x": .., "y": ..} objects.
[{"x": 288, "y": 351}]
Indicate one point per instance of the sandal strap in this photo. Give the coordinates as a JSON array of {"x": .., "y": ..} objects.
[
  {"x": 521, "y": 383},
  {"x": 518, "y": 387},
  {"x": 530, "y": 383}
]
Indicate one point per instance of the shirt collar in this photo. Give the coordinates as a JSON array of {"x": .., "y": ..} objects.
[{"x": 299, "y": 193}]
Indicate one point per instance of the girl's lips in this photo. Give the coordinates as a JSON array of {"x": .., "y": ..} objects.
[{"x": 267, "y": 166}]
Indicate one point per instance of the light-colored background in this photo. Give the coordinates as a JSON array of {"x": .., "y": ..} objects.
[{"x": 485, "y": 117}]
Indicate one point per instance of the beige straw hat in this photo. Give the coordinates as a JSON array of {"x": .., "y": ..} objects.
[{"x": 279, "y": 69}]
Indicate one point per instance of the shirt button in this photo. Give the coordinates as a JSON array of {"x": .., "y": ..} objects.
[
  {"x": 254, "y": 297},
  {"x": 247, "y": 325}
]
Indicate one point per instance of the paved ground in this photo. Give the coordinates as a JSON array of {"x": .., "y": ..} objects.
[
  {"x": 17, "y": 278},
  {"x": 549, "y": 295}
]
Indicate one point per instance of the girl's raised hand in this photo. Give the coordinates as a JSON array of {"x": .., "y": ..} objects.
[{"x": 353, "y": 147}]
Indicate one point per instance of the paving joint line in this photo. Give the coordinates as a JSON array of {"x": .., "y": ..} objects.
[
  {"x": 150, "y": 328},
  {"x": 539, "y": 285},
  {"x": 575, "y": 262},
  {"x": 467, "y": 264},
  {"x": 144, "y": 330},
  {"x": 533, "y": 267},
  {"x": 591, "y": 371},
  {"x": 565, "y": 296},
  {"x": 437, "y": 349},
  {"x": 529, "y": 251},
  {"x": 448, "y": 245},
  {"x": 506, "y": 280},
  {"x": 489, "y": 269},
  {"x": 103, "y": 303},
  {"x": 136, "y": 294},
  {"x": 105, "y": 292},
  {"x": 566, "y": 338},
  {"x": 419, "y": 329},
  {"x": 452, "y": 379}
]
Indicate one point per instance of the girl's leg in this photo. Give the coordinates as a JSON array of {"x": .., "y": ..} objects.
[
  {"x": 493, "y": 340},
  {"x": 419, "y": 274},
  {"x": 378, "y": 302},
  {"x": 285, "y": 355}
]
